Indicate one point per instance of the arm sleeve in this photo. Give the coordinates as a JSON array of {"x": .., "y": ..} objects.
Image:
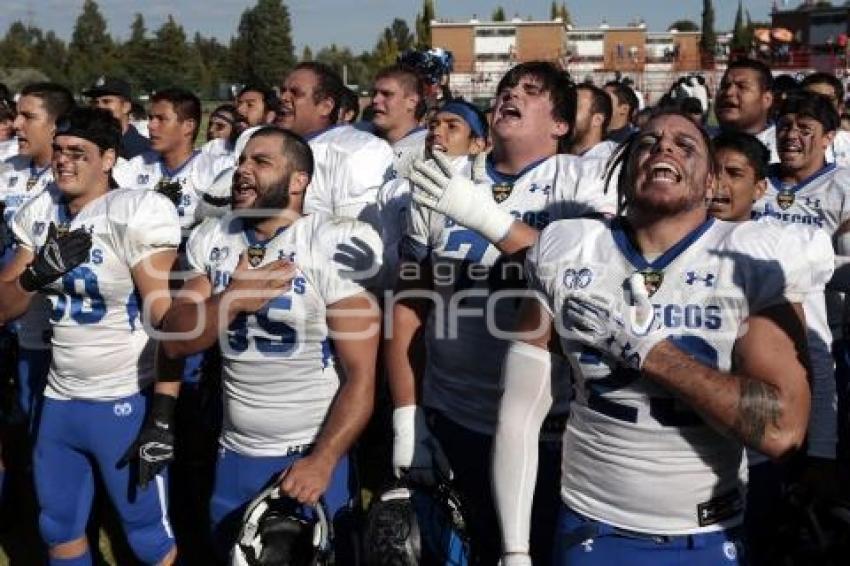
[
  {"x": 152, "y": 227},
  {"x": 23, "y": 225},
  {"x": 537, "y": 272},
  {"x": 196, "y": 248}
]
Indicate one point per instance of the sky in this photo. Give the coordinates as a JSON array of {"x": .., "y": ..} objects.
[{"x": 357, "y": 23}]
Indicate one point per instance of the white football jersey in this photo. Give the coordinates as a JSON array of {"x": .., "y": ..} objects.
[
  {"x": 602, "y": 150},
  {"x": 768, "y": 137},
  {"x": 20, "y": 181},
  {"x": 839, "y": 151},
  {"x": 279, "y": 369},
  {"x": 8, "y": 148},
  {"x": 350, "y": 167},
  {"x": 220, "y": 147},
  {"x": 407, "y": 150},
  {"x": 196, "y": 175},
  {"x": 634, "y": 456},
  {"x": 100, "y": 347},
  {"x": 464, "y": 357}
]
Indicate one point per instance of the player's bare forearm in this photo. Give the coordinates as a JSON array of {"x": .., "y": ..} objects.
[
  {"x": 194, "y": 326},
  {"x": 403, "y": 353},
  {"x": 520, "y": 237},
  {"x": 765, "y": 403},
  {"x": 14, "y": 301},
  {"x": 355, "y": 326}
]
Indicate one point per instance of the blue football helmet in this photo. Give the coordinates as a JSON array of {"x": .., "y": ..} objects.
[{"x": 432, "y": 64}]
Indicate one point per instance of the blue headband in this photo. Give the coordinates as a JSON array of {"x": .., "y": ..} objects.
[{"x": 469, "y": 116}]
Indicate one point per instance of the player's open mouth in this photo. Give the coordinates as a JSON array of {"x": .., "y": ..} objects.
[
  {"x": 243, "y": 192},
  {"x": 720, "y": 199},
  {"x": 665, "y": 173},
  {"x": 438, "y": 147},
  {"x": 509, "y": 111}
]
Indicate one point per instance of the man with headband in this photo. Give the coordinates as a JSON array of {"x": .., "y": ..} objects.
[{"x": 103, "y": 255}]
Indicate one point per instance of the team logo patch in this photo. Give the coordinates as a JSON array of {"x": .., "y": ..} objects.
[
  {"x": 62, "y": 229},
  {"x": 13, "y": 181},
  {"x": 652, "y": 279},
  {"x": 38, "y": 228},
  {"x": 31, "y": 182},
  {"x": 100, "y": 81},
  {"x": 577, "y": 278},
  {"x": 256, "y": 255},
  {"x": 143, "y": 179},
  {"x": 730, "y": 551},
  {"x": 122, "y": 409},
  {"x": 501, "y": 191},
  {"x": 785, "y": 199},
  {"x": 217, "y": 255}
]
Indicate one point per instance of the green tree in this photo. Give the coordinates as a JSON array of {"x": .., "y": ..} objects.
[
  {"x": 210, "y": 61},
  {"x": 708, "y": 41},
  {"x": 306, "y": 54},
  {"x": 354, "y": 69},
  {"x": 739, "y": 31},
  {"x": 683, "y": 25},
  {"x": 498, "y": 15},
  {"x": 560, "y": 11},
  {"x": 91, "y": 50},
  {"x": 385, "y": 52},
  {"x": 262, "y": 50},
  {"x": 171, "y": 56},
  {"x": 50, "y": 55},
  {"x": 401, "y": 35},
  {"x": 17, "y": 46},
  {"x": 423, "y": 24},
  {"x": 136, "y": 60}
]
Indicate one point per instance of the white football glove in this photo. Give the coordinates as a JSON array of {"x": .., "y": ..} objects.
[
  {"x": 479, "y": 168},
  {"x": 515, "y": 559},
  {"x": 626, "y": 336},
  {"x": 416, "y": 452},
  {"x": 437, "y": 186}
]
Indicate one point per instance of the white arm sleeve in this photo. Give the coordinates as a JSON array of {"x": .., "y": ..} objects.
[{"x": 527, "y": 397}]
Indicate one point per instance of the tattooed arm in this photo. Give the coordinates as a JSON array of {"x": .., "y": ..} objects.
[{"x": 765, "y": 402}]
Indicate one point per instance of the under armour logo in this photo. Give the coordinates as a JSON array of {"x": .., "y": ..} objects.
[
  {"x": 122, "y": 409},
  {"x": 543, "y": 189},
  {"x": 588, "y": 545},
  {"x": 691, "y": 277}
]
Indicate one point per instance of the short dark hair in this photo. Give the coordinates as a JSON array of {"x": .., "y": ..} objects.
[
  {"x": 814, "y": 106},
  {"x": 294, "y": 147},
  {"x": 758, "y": 156},
  {"x": 826, "y": 79},
  {"x": 556, "y": 82},
  {"x": 601, "y": 104},
  {"x": 269, "y": 97},
  {"x": 625, "y": 95},
  {"x": 411, "y": 81},
  {"x": 186, "y": 105},
  {"x": 328, "y": 85},
  {"x": 56, "y": 98},
  {"x": 349, "y": 101},
  {"x": 96, "y": 125},
  {"x": 761, "y": 69}
]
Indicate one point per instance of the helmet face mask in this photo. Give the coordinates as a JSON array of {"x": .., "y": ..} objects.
[
  {"x": 411, "y": 524},
  {"x": 278, "y": 531}
]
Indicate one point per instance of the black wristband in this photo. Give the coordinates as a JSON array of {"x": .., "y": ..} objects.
[{"x": 162, "y": 408}]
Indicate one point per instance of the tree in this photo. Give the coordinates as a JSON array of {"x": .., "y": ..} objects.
[
  {"x": 210, "y": 59},
  {"x": 423, "y": 25},
  {"x": 50, "y": 55},
  {"x": 354, "y": 69},
  {"x": 739, "y": 32},
  {"x": 708, "y": 41},
  {"x": 171, "y": 57},
  {"x": 498, "y": 15},
  {"x": 683, "y": 25},
  {"x": 17, "y": 46},
  {"x": 136, "y": 56},
  {"x": 306, "y": 54},
  {"x": 262, "y": 50},
  {"x": 91, "y": 51},
  {"x": 401, "y": 35},
  {"x": 560, "y": 11}
]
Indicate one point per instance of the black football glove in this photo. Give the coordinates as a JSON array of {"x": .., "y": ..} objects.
[
  {"x": 153, "y": 449},
  {"x": 58, "y": 256},
  {"x": 171, "y": 191}
]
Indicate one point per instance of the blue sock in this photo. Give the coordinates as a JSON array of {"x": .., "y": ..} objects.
[{"x": 82, "y": 560}]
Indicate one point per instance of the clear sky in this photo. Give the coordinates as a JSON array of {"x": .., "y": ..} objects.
[{"x": 357, "y": 23}]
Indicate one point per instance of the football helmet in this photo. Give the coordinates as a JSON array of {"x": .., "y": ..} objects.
[
  {"x": 411, "y": 524},
  {"x": 279, "y": 531},
  {"x": 432, "y": 64}
]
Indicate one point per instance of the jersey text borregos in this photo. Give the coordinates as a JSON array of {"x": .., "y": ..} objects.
[
  {"x": 634, "y": 456},
  {"x": 100, "y": 347},
  {"x": 464, "y": 357},
  {"x": 280, "y": 376}
]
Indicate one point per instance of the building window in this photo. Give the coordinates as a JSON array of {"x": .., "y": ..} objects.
[
  {"x": 495, "y": 32},
  {"x": 485, "y": 57}
]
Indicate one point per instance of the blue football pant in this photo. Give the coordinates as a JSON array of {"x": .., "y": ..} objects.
[
  {"x": 580, "y": 541},
  {"x": 72, "y": 437}
]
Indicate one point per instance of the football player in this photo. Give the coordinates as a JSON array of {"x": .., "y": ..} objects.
[
  {"x": 8, "y": 141},
  {"x": 449, "y": 263},
  {"x": 103, "y": 256},
  {"x": 744, "y": 99},
  {"x": 114, "y": 94},
  {"x": 174, "y": 167},
  {"x": 255, "y": 106},
  {"x": 741, "y": 164},
  {"x": 221, "y": 132},
  {"x": 687, "y": 343},
  {"x": 593, "y": 115},
  {"x": 266, "y": 285},
  {"x": 25, "y": 176},
  {"x": 624, "y": 106},
  {"x": 398, "y": 105},
  {"x": 830, "y": 86},
  {"x": 351, "y": 165}
]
